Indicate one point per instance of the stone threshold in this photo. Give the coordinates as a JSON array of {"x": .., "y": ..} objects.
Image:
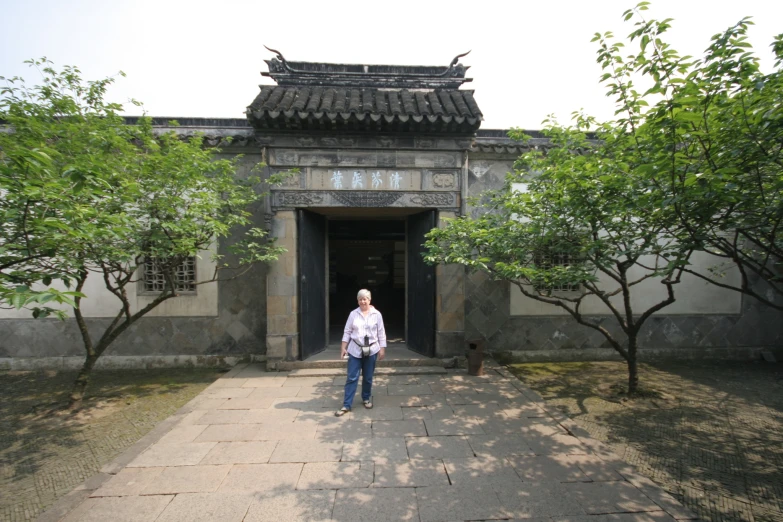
[
  {"x": 340, "y": 363},
  {"x": 398, "y": 370}
]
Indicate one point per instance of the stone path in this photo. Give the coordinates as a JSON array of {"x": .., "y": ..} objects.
[{"x": 257, "y": 446}]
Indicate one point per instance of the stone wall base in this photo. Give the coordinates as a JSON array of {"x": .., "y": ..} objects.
[
  {"x": 645, "y": 354},
  {"x": 129, "y": 362}
]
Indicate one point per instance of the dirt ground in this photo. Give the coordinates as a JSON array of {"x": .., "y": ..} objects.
[
  {"x": 710, "y": 433},
  {"x": 43, "y": 456}
]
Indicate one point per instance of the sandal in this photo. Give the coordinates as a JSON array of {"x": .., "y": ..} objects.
[
  {"x": 342, "y": 411},
  {"x": 368, "y": 404}
]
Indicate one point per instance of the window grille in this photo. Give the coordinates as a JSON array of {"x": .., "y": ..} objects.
[
  {"x": 184, "y": 276},
  {"x": 551, "y": 259}
]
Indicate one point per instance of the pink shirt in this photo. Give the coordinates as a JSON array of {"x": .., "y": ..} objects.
[{"x": 358, "y": 326}]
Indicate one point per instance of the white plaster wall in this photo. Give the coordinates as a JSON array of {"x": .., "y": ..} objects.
[
  {"x": 693, "y": 296},
  {"x": 102, "y": 303}
]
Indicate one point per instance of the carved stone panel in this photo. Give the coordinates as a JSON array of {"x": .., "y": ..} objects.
[
  {"x": 298, "y": 199},
  {"x": 365, "y": 199},
  {"x": 443, "y": 199},
  {"x": 443, "y": 180},
  {"x": 283, "y": 199}
]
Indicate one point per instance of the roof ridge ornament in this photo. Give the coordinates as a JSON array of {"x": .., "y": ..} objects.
[
  {"x": 280, "y": 57},
  {"x": 285, "y": 72}
]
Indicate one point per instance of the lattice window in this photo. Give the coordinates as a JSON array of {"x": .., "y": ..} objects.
[
  {"x": 551, "y": 259},
  {"x": 184, "y": 276}
]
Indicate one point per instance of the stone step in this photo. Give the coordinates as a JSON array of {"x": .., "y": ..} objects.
[
  {"x": 388, "y": 370},
  {"x": 340, "y": 364}
]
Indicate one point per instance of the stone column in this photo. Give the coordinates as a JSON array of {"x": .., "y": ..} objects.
[
  {"x": 449, "y": 305},
  {"x": 282, "y": 306}
]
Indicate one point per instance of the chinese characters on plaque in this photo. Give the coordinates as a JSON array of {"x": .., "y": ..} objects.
[{"x": 371, "y": 179}]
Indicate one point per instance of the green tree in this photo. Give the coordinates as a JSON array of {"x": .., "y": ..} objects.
[
  {"x": 584, "y": 234},
  {"x": 712, "y": 142},
  {"x": 108, "y": 197},
  {"x": 691, "y": 162}
]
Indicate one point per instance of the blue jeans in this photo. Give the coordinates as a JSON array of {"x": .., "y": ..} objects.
[{"x": 367, "y": 367}]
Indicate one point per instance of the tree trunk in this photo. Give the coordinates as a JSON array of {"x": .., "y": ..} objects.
[
  {"x": 82, "y": 380},
  {"x": 633, "y": 373}
]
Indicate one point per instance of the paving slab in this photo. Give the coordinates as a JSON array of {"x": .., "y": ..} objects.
[
  {"x": 398, "y": 370},
  {"x": 206, "y": 507},
  {"x": 227, "y": 393},
  {"x": 187, "y": 479},
  {"x": 248, "y": 478},
  {"x": 310, "y": 381},
  {"x": 489, "y": 410},
  {"x": 307, "y": 451},
  {"x": 240, "y": 452},
  {"x": 227, "y": 382},
  {"x": 416, "y": 413},
  {"x": 469, "y": 502},
  {"x": 370, "y": 449},
  {"x": 481, "y": 471},
  {"x": 360, "y": 505},
  {"x": 438, "y": 447},
  {"x": 498, "y": 446},
  {"x": 443, "y": 446},
  {"x": 377, "y": 413},
  {"x": 277, "y": 415},
  {"x": 128, "y": 482},
  {"x": 291, "y": 506},
  {"x": 289, "y": 431},
  {"x": 182, "y": 454},
  {"x": 336, "y": 475},
  {"x": 407, "y": 473},
  {"x": 538, "y": 499},
  {"x": 229, "y": 433},
  {"x": 549, "y": 468},
  {"x": 223, "y": 417},
  {"x": 408, "y": 389},
  {"x": 182, "y": 433},
  {"x": 654, "y": 516},
  {"x": 119, "y": 509},
  {"x": 454, "y": 426},
  {"x": 247, "y": 403},
  {"x": 340, "y": 428},
  {"x": 264, "y": 382},
  {"x": 398, "y": 428},
  {"x": 283, "y": 391}
]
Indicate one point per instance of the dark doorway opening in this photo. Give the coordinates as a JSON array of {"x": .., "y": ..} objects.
[{"x": 367, "y": 254}]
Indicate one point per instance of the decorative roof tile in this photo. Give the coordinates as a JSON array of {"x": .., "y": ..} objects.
[{"x": 364, "y": 109}]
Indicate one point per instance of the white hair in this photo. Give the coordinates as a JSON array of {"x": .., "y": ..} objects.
[{"x": 364, "y": 293}]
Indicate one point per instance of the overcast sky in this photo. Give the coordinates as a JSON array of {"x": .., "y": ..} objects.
[{"x": 203, "y": 58}]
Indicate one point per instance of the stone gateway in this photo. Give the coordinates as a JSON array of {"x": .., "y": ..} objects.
[{"x": 378, "y": 155}]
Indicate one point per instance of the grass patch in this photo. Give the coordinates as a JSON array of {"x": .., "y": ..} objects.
[
  {"x": 709, "y": 432},
  {"x": 41, "y": 443}
]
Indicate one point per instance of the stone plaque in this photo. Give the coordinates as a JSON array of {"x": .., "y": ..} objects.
[{"x": 364, "y": 179}]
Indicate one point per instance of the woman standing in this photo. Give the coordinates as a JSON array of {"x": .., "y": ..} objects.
[{"x": 364, "y": 341}]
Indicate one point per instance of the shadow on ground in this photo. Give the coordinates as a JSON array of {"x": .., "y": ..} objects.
[
  {"x": 711, "y": 433},
  {"x": 44, "y": 455}
]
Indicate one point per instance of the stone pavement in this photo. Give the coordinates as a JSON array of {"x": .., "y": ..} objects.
[{"x": 438, "y": 446}]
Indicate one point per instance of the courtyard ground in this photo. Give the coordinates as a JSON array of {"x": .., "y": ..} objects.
[
  {"x": 44, "y": 456},
  {"x": 710, "y": 433}
]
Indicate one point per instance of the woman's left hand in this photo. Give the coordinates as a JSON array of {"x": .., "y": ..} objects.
[{"x": 382, "y": 354}]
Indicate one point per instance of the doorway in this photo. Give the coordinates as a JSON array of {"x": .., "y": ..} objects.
[
  {"x": 341, "y": 253},
  {"x": 367, "y": 254}
]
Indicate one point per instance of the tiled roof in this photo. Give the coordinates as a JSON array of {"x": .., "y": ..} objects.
[{"x": 365, "y": 109}]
